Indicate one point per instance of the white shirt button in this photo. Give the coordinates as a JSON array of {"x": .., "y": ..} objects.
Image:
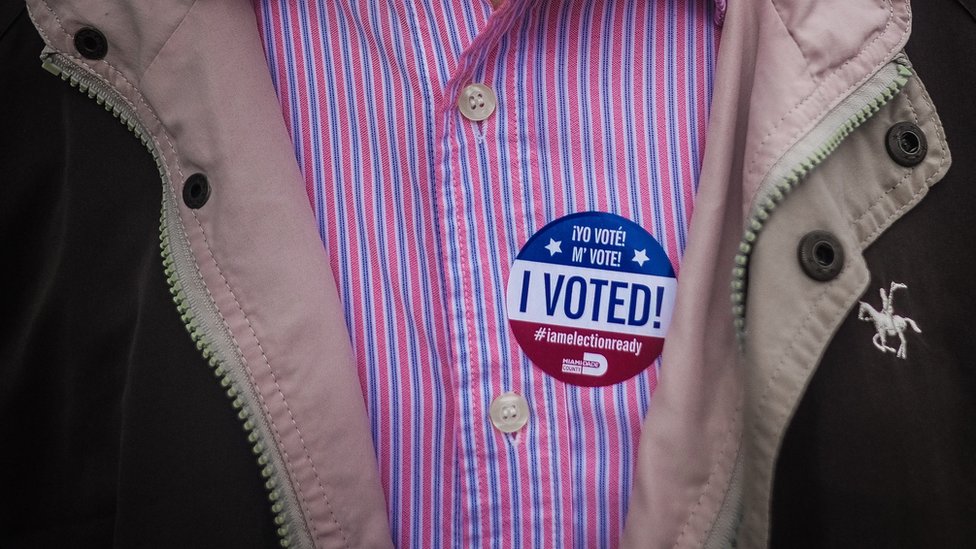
[
  {"x": 509, "y": 412},
  {"x": 476, "y": 102}
]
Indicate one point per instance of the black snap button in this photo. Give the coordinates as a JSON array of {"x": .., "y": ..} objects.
[
  {"x": 821, "y": 255},
  {"x": 196, "y": 191},
  {"x": 91, "y": 43},
  {"x": 906, "y": 144}
]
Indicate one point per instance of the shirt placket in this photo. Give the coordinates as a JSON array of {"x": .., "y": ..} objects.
[{"x": 493, "y": 476}]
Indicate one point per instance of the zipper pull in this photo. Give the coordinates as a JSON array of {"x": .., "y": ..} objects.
[{"x": 46, "y": 63}]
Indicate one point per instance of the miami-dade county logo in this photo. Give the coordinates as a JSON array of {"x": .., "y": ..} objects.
[{"x": 590, "y": 298}]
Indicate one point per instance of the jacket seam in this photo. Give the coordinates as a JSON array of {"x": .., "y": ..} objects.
[
  {"x": 819, "y": 91},
  {"x": 906, "y": 177},
  {"x": 165, "y": 42},
  {"x": 41, "y": 30},
  {"x": 783, "y": 418},
  {"x": 796, "y": 43},
  {"x": 711, "y": 476},
  {"x": 928, "y": 180},
  {"x": 274, "y": 378}
]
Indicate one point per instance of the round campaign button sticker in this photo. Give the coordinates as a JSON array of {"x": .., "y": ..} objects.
[{"x": 590, "y": 298}]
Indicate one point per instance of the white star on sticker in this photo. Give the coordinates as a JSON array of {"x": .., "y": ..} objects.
[
  {"x": 640, "y": 256},
  {"x": 554, "y": 247}
]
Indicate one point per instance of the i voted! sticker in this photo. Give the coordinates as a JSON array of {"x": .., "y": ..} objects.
[{"x": 590, "y": 298}]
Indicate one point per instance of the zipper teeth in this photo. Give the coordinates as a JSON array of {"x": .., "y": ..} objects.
[
  {"x": 765, "y": 208},
  {"x": 122, "y": 112},
  {"x": 223, "y": 376}
]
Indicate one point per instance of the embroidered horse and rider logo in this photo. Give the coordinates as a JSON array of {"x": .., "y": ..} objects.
[{"x": 887, "y": 323}]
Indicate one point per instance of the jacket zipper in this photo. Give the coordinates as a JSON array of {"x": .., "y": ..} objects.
[
  {"x": 803, "y": 157},
  {"x": 224, "y": 360},
  {"x": 783, "y": 177}
]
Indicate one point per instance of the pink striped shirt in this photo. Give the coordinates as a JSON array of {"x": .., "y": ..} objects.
[{"x": 601, "y": 106}]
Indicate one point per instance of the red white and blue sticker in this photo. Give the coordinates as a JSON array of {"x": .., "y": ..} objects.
[{"x": 590, "y": 298}]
